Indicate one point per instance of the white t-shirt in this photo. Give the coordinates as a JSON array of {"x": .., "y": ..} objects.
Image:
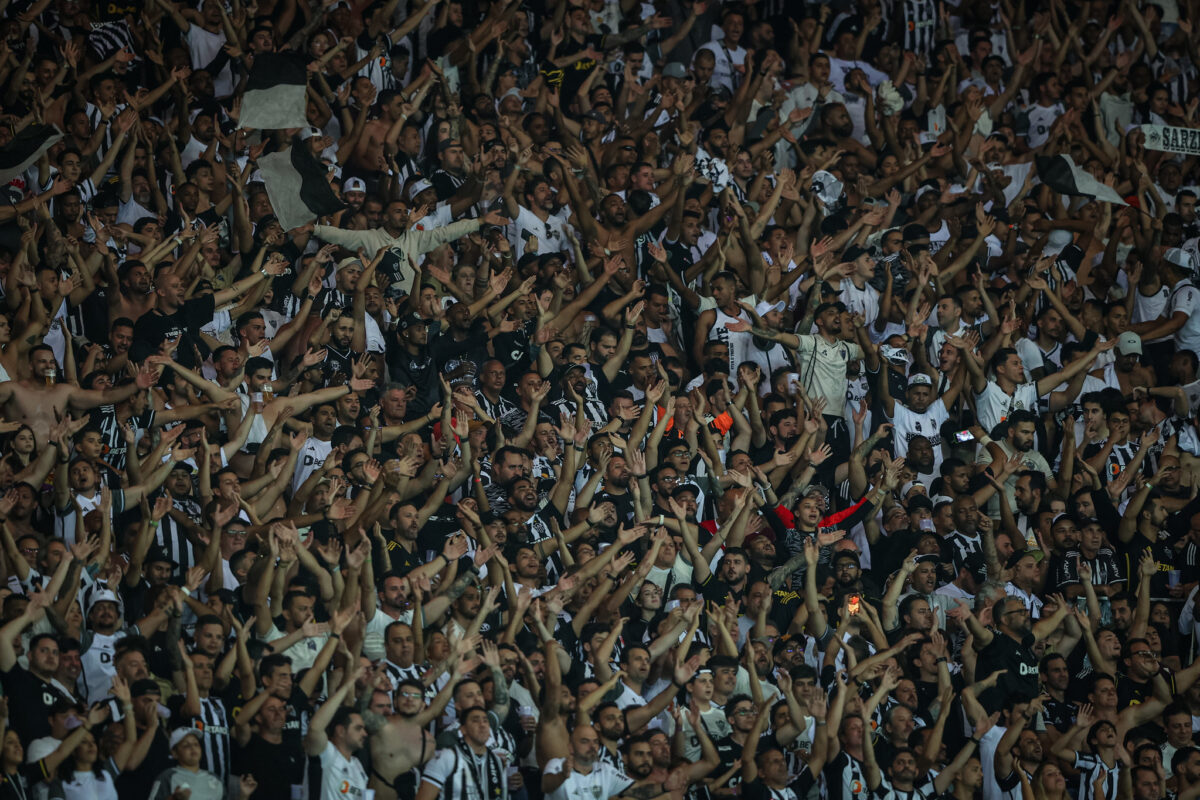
[
  {"x": 1040, "y": 120},
  {"x": 551, "y": 234},
  {"x": 823, "y": 370},
  {"x": 726, "y": 59},
  {"x": 603, "y": 781},
  {"x": 341, "y": 776},
  {"x": 993, "y": 406},
  {"x": 1186, "y": 298},
  {"x": 203, "y": 47},
  {"x": 312, "y": 455},
  {"x": 909, "y": 423}
]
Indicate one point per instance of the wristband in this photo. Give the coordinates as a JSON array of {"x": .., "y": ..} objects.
[
  {"x": 639, "y": 477},
  {"x": 973, "y": 739},
  {"x": 819, "y": 722},
  {"x": 661, "y": 519},
  {"x": 942, "y": 660},
  {"x": 186, "y": 592},
  {"x": 335, "y": 636}
]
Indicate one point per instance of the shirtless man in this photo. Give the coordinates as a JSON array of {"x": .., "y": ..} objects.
[
  {"x": 35, "y": 401},
  {"x": 402, "y": 742},
  {"x": 610, "y": 224},
  {"x": 136, "y": 293},
  {"x": 369, "y": 154}
]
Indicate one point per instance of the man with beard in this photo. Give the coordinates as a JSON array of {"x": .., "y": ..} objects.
[
  {"x": 392, "y": 605},
  {"x": 396, "y": 739},
  {"x": 1009, "y": 646},
  {"x": 922, "y": 456},
  {"x": 827, "y": 355},
  {"x": 849, "y": 579},
  {"x": 1000, "y": 399},
  {"x": 537, "y": 218},
  {"x": 766, "y": 775},
  {"x": 581, "y": 774},
  {"x": 1029, "y": 490},
  {"x": 1018, "y": 441},
  {"x": 728, "y": 322},
  {"x": 613, "y": 229},
  {"x": 577, "y": 390},
  {"x": 902, "y": 776},
  {"x": 135, "y": 293},
  {"x": 614, "y": 721}
]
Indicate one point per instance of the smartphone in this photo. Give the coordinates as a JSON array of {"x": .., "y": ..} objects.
[
  {"x": 964, "y": 436},
  {"x": 853, "y": 604}
]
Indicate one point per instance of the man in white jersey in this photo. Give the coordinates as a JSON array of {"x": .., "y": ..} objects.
[
  {"x": 923, "y": 415},
  {"x": 580, "y": 776},
  {"x": 335, "y": 734}
]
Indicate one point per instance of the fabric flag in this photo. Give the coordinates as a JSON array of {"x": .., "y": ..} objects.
[
  {"x": 1172, "y": 139},
  {"x": 1061, "y": 175},
  {"x": 298, "y": 186},
  {"x": 274, "y": 96},
  {"x": 25, "y": 148}
]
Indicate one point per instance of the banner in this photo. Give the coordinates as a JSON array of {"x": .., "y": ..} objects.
[{"x": 1171, "y": 139}]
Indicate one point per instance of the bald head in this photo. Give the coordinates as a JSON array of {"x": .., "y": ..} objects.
[{"x": 585, "y": 745}]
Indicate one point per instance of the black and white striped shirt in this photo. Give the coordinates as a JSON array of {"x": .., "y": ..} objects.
[{"x": 1089, "y": 766}]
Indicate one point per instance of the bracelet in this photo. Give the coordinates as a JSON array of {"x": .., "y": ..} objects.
[
  {"x": 661, "y": 519},
  {"x": 153, "y": 524},
  {"x": 263, "y": 272},
  {"x": 973, "y": 739},
  {"x": 185, "y": 591},
  {"x": 639, "y": 477},
  {"x": 1149, "y": 485},
  {"x": 335, "y": 636},
  {"x": 578, "y": 447},
  {"x": 819, "y": 722},
  {"x": 942, "y": 660}
]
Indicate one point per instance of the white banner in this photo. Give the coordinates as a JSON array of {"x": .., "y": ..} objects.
[{"x": 1171, "y": 139}]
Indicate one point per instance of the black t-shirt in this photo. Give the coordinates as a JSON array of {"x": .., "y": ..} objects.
[
  {"x": 1005, "y": 653},
  {"x": 30, "y": 700},
  {"x": 138, "y": 782},
  {"x": 276, "y": 767},
  {"x": 154, "y": 327}
]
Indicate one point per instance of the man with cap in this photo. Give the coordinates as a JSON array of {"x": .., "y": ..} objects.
[
  {"x": 99, "y": 640},
  {"x": 411, "y": 363},
  {"x": 1125, "y": 372},
  {"x": 923, "y": 415},
  {"x": 452, "y": 174},
  {"x": 184, "y": 744},
  {"x": 354, "y": 192}
]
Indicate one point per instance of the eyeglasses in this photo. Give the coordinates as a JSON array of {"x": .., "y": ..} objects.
[
  {"x": 744, "y": 712},
  {"x": 236, "y": 533},
  {"x": 670, "y": 478},
  {"x": 411, "y": 695},
  {"x": 1146, "y": 654},
  {"x": 627, "y": 147}
]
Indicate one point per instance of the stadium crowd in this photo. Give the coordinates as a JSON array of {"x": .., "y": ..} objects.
[{"x": 687, "y": 399}]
